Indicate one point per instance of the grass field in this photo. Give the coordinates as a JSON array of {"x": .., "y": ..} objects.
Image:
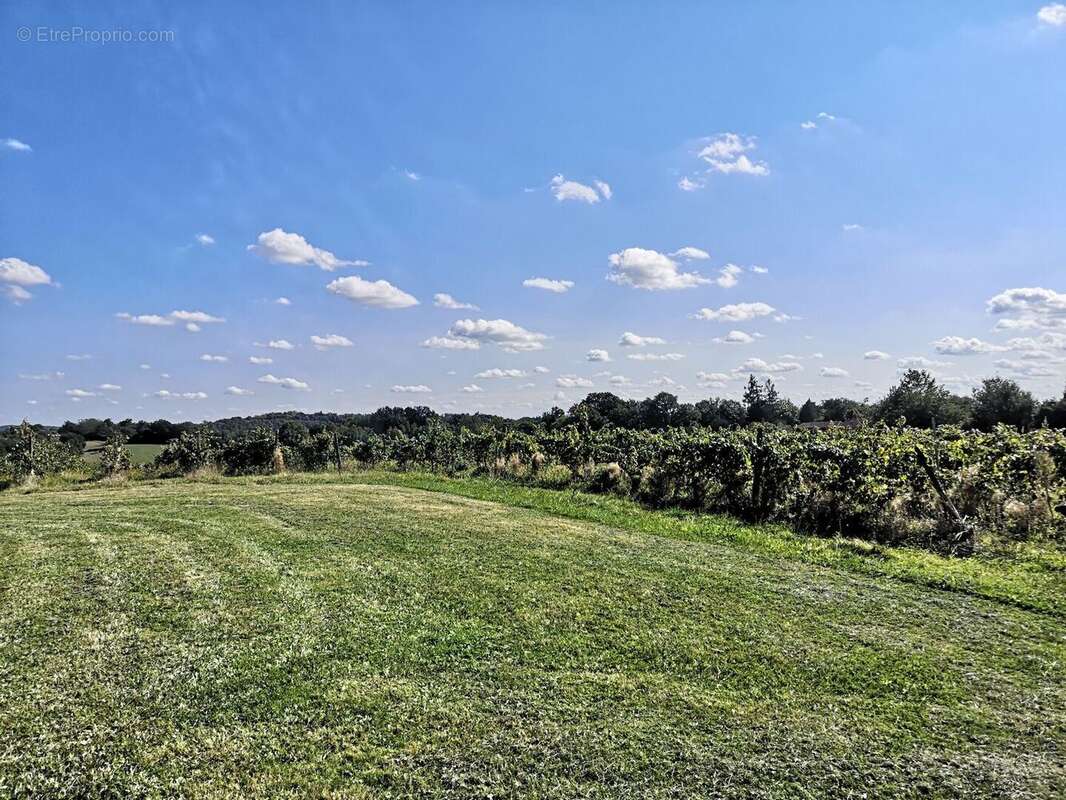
[
  {"x": 140, "y": 454},
  {"x": 345, "y": 638}
]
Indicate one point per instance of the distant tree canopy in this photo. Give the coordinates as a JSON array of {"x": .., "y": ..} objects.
[{"x": 918, "y": 399}]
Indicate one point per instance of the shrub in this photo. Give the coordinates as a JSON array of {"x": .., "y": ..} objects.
[
  {"x": 35, "y": 454},
  {"x": 114, "y": 457}
]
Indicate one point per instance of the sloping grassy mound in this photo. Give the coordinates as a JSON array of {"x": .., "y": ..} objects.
[{"x": 278, "y": 639}]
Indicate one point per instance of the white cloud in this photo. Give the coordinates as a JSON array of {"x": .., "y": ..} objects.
[
  {"x": 548, "y": 284},
  {"x": 919, "y": 362},
  {"x": 511, "y": 337},
  {"x": 214, "y": 359},
  {"x": 377, "y": 294},
  {"x": 286, "y": 383},
  {"x": 572, "y": 190},
  {"x": 833, "y": 372},
  {"x": 79, "y": 393},
  {"x": 18, "y": 274},
  {"x": 686, "y": 184},
  {"x": 759, "y": 270},
  {"x": 876, "y": 355},
  {"x": 1029, "y": 307},
  {"x": 442, "y": 300},
  {"x": 330, "y": 340},
  {"x": 451, "y": 343},
  {"x": 958, "y": 346},
  {"x": 472, "y": 389},
  {"x": 727, "y": 276},
  {"x": 15, "y": 144},
  {"x": 655, "y": 356},
  {"x": 412, "y": 176},
  {"x": 619, "y": 380},
  {"x": 496, "y": 372},
  {"x": 761, "y": 366},
  {"x": 78, "y": 357},
  {"x": 195, "y": 316},
  {"x": 717, "y": 378},
  {"x": 633, "y": 340},
  {"x": 572, "y": 382},
  {"x": 597, "y": 355},
  {"x": 283, "y": 301},
  {"x": 260, "y": 360},
  {"x": 205, "y": 239},
  {"x": 809, "y": 125},
  {"x": 420, "y": 388},
  {"x": 650, "y": 270},
  {"x": 691, "y": 253},
  {"x": 291, "y": 248},
  {"x": 41, "y": 376},
  {"x": 851, "y": 226},
  {"x": 737, "y": 312},
  {"x": 166, "y": 394},
  {"x": 726, "y": 153},
  {"x": 237, "y": 391},
  {"x": 277, "y": 344},
  {"x": 145, "y": 319},
  {"x": 109, "y": 387},
  {"x": 735, "y": 337},
  {"x": 1053, "y": 14},
  {"x": 1027, "y": 369}
]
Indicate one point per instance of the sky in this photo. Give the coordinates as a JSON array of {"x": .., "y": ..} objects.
[{"x": 210, "y": 210}]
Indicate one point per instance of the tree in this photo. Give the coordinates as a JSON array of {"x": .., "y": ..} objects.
[
  {"x": 839, "y": 409},
  {"x": 762, "y": 403},
  {"x": 922, "y": 402},
  {"x": 1001, "y": 400},
  {"x": 659, "y": 412},
  {"x": 1053, "y": 412},
  {"x": 809, "y": 411}
]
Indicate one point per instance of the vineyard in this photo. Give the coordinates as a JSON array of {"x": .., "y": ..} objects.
[{"x": 945, "y": 489}]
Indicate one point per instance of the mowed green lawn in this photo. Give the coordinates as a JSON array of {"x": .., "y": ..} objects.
[
  {"x": 140, "y": 454},
  {"x": 270, "y": 638}
]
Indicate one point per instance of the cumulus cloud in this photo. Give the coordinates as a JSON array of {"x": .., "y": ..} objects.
[
  {"x": 727, "y": 153},
  {"x": 205, "y": 239},
  {"x": 687, "y": 184},
  {"x": 876, "y": 355},
  {"x": 285, "y": 383},
  {"x": 633, "y": 340},
  {"x": 17, "y": 274},
  {"x": 958, "y": 346},
  {"x": 419, "y": 388},
  {"x": 451, "y": 343},
  {"x": 214, "y": 359},
  {"x": 260, "y": 360},
  {"x": 572, "y": 382},
  {"x": 650, "y": 270},
  {"x": 727, "y": 276},
  {"x": 760, "y": 366},
  {"x": 1027, "y": 369},
  {"x": 541, "y": 370},
  {"x": 18, "y": 146},
  {"x": 166, "y": 394},
  {"x": 283, "y": 301},
  {"x": 192, "y": 319},
  {"x": 548, "y": 284},
  {"x": 833, "y": 372},
  {"x": 502, "y": 332},
  {"x": 563, "y": 189},
  {"x": 145, "y": 319},
  {"x": 735, "y": 337},
  {"x": 597, "y": 355},
  {"x": 443, "y": 300},
  {"x": 377, "y": 294},
  {"x": 759, "y": 270},
  {"x": 736, "y": 312},
  {"x": 281, "y": 247},
  {"x": 109, "y": 387},
  {"x": 691, "y": 253},
  {"x": 237, "y": 391},
  {"x": 79, "y": 393},
  {"x": 496, "y": 372},
  {"x": 619, "y": 380},
  {"x": 472, "y": 389},
  {"x": 1029, "y": 307},
  {"x": 714, "y": 379},
  {"x": 1053, "y": 14},
  {"x": 330, "y": 340},
  {"x": 919, "y": 362},
  {"x": 655, "y": 356},
  {"x": 277, "y": 344}
]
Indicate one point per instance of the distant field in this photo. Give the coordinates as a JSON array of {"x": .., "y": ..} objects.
[
  {"x": 139, "y": 453},
  {"x": 310, "y": 637}
]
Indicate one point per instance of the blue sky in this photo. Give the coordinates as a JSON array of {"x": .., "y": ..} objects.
[{"x": 896, "y": 171}]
